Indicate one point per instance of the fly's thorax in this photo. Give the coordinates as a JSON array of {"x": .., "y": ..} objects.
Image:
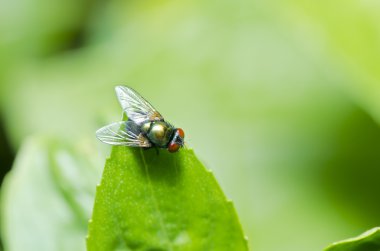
[{"x": 159, "y": 133}]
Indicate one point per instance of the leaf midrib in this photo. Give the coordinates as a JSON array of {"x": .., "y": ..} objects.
[{"x": 161, "y": 221}]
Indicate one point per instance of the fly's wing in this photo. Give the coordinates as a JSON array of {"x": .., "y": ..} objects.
[
  {"x": 136, "y": 107},
  {"x": 123, "y": 133}
]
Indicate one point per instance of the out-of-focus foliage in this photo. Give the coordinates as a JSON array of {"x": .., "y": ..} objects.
[
  {"x": 349, "y": 32},
  {"x": 368, "y": 241},
  {"x": 285, "y": 92},
  {"x": 47, "y": 198},
  {"x": 150, "y": 201}
]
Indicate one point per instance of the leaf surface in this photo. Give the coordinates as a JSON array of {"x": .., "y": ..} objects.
[
  {"x": 46, "y": 199},
  {"x": 150, "y": 201},
  {"x": 368, "y": 241}
]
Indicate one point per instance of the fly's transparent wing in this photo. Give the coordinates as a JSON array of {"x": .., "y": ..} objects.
[
  {"x": 119, "y": 134},
  {"x": 136, "y": 107}
]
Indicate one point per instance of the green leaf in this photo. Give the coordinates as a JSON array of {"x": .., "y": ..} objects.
[
  {"x": 150, "y": 201},
  {"x": 368, "y": 241},
  {"x": 47, "y": 198}
]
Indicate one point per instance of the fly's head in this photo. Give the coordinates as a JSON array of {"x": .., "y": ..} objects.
[{"x": 177, "y": 141}]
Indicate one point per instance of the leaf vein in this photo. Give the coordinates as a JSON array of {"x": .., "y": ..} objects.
[{"x": 155, "y": 200}]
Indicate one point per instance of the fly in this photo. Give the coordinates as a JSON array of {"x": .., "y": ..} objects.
[{"x": 144, "y": 128}]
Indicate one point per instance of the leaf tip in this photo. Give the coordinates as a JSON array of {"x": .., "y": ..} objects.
[{"x": 372, "y": 233}]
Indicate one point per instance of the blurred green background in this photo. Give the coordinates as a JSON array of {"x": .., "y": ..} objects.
[{"x": 281, "y": 99}]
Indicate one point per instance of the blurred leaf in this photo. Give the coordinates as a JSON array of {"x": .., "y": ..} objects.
[
  {"x": 47, "y": 198},
  {"x": 150, "y": 201},
  {"x": 368, "y": 241}
]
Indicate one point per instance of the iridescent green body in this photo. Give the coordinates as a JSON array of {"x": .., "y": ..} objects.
[{"x": 159, "y": 133}]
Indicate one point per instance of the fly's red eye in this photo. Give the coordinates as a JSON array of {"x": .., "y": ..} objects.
[
  {"x": 173, "y": 147},
  {"x": 181, "y": 133}
]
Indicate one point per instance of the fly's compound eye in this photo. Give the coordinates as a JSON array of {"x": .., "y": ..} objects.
[
  {"x": 173, "y": 147},
  {"x": 181, "y": 133}
]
